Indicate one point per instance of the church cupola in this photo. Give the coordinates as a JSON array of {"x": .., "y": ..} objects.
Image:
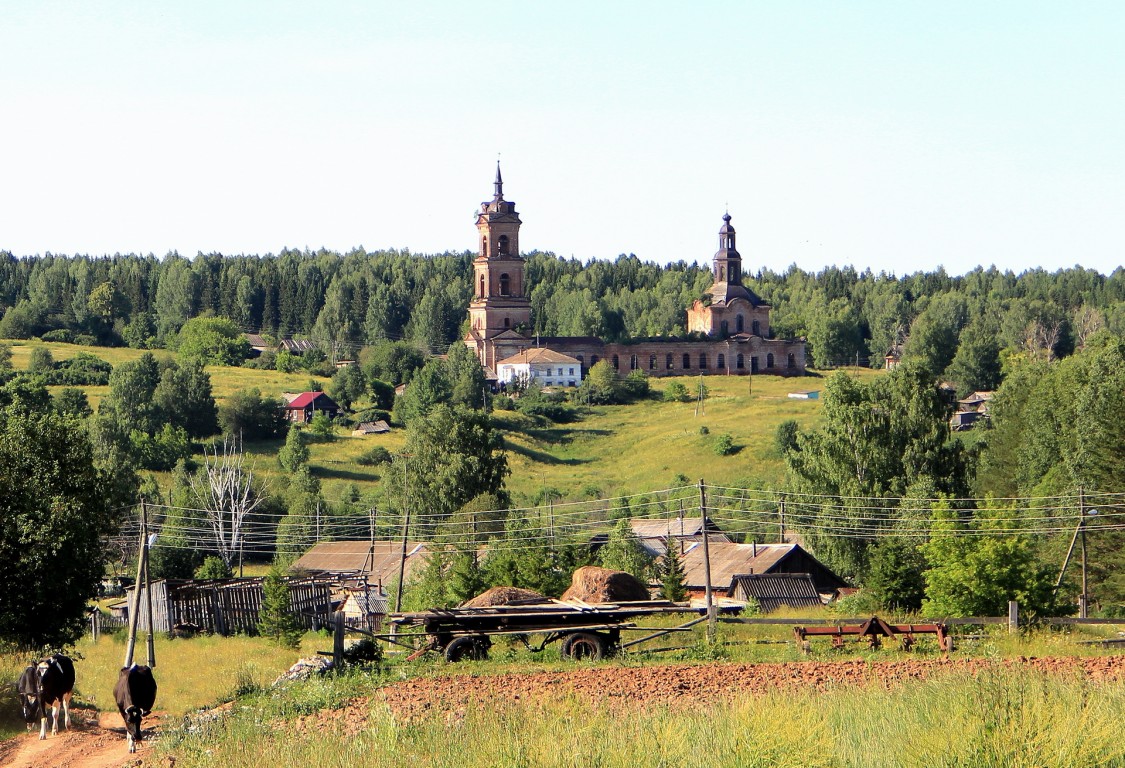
[{"x": 727, "y": 263}]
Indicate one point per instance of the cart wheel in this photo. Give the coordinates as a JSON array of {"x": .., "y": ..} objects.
[
  {"x": 583, "y": 646},
  {"x": 467, "y": 648}
]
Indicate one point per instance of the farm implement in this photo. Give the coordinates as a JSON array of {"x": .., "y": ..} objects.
[
  {"x": 584, "y": 631},
  {"x": 873, "y": 631}
]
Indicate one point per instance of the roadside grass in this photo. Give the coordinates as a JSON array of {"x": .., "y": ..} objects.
[{"x": 1002, "y": 716}]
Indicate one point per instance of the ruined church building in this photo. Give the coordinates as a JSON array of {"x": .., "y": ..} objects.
[{"x": 731, "y": 323}]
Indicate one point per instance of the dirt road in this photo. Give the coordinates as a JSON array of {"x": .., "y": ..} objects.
[{"x": 95, "y": 740}]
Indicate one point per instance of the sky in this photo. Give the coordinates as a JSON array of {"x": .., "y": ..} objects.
[{"x": 895, "y": 136}]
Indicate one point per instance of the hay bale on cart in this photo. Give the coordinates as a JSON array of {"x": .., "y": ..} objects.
[
  {"x": 591, "y": 584},
  {"x": 505, "y": 596}
]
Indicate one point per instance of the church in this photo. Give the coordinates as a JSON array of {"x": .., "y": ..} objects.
[{"x": 730, "y": 325}]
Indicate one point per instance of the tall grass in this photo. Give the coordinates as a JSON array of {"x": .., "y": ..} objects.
[{"x": 1006, "y": 717}]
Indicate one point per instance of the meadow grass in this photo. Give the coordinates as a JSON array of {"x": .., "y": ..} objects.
[
  {"x": 1001, "y": 717},
  {"x": 190, "y": 673},
  {"x": 608, "y": 451}
]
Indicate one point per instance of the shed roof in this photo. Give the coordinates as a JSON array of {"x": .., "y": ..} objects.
[
  {"x": 775, "y": 590},
  {"x": 653, "y": 533},
  {"x": 354, "y": 557}
]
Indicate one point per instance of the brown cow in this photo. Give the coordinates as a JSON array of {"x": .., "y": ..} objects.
[{"x": 135, "y": 694}]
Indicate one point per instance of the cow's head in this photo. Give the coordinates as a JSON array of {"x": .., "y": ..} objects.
[
  {"x": 133, "y": 722},
  {"x": 28, "y": 689}
]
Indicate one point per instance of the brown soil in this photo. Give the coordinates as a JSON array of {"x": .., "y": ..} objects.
[
  {"x": 94, "y": 740},
  {"x": 694, "y": 684}
]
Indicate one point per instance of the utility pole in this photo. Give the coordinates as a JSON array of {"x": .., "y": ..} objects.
[
  {"x": 781, "y": 520},
  {"x": 708, "y": 597},
  {"x": 405, "y": 531},
  {"x": 1084, "y": 599},
  {"x": 150, "y": 643}
]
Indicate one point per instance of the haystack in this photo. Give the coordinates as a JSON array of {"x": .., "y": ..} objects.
[
  {"x": 592, "y": 584},
  {"x": 505, "y": 596}
]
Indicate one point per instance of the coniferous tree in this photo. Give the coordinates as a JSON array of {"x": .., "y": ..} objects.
[
  {"x": 672, "y": 577},
  {"x": 276, "y": 619}
]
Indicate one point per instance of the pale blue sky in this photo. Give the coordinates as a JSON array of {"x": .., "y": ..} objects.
[{"x": 896, "y": 136}]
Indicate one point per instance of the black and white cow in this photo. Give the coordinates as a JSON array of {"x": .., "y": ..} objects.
[
  {"x": 135, "y": 694},
  {"x": 48, "y": 684}
]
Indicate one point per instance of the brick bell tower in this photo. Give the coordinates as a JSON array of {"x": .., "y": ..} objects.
[{"x": 499, "y": 312}]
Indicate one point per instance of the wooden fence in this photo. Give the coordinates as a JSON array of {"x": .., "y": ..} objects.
[{"x": 229, "y": 606}]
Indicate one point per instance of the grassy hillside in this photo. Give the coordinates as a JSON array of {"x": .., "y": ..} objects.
[{"x": 610, "y": 450}]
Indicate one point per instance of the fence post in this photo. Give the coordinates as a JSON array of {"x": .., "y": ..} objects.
[
  {"x": 338, "y": 641},
  {"x": 707, "y": 594},
  {"x": 1013, "y": 617}
]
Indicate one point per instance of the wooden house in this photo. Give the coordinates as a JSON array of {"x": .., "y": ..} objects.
[
  {"x": 359, "y": 560},
  {"x": 305, "y": 406},
  {"x": 730, "y": 560},
  {"x": 653, "y": 533}
]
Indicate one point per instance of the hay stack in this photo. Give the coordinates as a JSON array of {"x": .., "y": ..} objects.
[
  {"x": 592, "y": 584},
  {"x": 504, "y": 596}
]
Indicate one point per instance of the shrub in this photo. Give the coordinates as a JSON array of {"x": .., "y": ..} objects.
[
  {"x": 724, "y": 444},
  {"x": 213, "y": 568},
  {"x": 59, "y": 335},
  {"x": 676, "y": 392},
  {"x": 376, "y": 455}
]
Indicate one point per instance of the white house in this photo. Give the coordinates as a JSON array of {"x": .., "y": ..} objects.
[{"x": 542, "y": 366}]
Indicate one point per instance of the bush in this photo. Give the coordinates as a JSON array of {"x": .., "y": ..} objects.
[
  {"x": 503, "y": 403},
  {"x": 376, "y": 455},
  {"x": 724, "y": 444},
  {"x": 676, "y": 392},
  {"x": 213, "y": 568},
  {"x": 322, "y": 428},
  {"x": 59, "y": 335}
]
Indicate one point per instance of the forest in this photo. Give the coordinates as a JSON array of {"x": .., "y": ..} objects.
[
  {"x": 878, "y": 487},
  {"x": 962, "y": 327}
]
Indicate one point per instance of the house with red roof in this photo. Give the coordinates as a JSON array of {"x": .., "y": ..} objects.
[{"x": 305, "y": 406}]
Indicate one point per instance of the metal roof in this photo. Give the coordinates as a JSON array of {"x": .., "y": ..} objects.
[
  {"x": 352, "y": 557},
  {"x": 315, "y": 399},
  {"x": 538, "y": 355},
  {"x": 775, "y": 590},
  {"x": 729, "y": 560}
]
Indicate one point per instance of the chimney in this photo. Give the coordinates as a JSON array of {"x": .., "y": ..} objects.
[{"x": 754, "y": 544}]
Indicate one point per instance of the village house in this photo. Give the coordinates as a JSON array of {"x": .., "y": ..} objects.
[
  {"x": 653, "y": 534},
  {"x": 729, "y": 561},
  {"x": 306, "y": 405},
  {"x": 377, "y": 563},
  {"x": 544, "y": 367}
]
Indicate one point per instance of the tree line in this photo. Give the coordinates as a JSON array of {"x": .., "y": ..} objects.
[{"x": 961, "y": 327}]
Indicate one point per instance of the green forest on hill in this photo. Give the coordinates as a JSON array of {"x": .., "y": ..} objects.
[{"x": 142, "y": 363}]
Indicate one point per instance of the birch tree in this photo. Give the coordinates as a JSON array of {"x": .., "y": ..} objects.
[{"x": 224, "y": 487}]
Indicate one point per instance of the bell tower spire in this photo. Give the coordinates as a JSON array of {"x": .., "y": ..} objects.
[{"x": 500, "y": 306}]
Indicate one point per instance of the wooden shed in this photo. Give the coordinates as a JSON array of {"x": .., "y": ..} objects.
[
  {"x": 358, "y": 560},
  {"x": 776, "y": 590}
]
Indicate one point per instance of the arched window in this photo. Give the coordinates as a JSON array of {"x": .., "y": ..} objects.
[
  {"x": 503, "y": 245},
  {"x": 722, "y": 274},
  {"x": 769, "y": 360},
  {"x": 507, "y": 323},
  {"x": 702, "y": 359},
  {"x": 481, "y": 294},
  {"x": 756, "y": 328},
  {"x": 739, "y": 323},
  {"x": 652, "y": 362},
  {"x": 505, "y": 284},
  {"x": 724, "y": 329},
  {"x": 721, "y": 363},
  {"x": 616, "y": 363},
  {"x": 580, "y": 358},
  {"x": 687, "y": 361},
  {"x": 484, "y": 247},
  {"x": 740, "y": 363},
  {"x": 593, "y": 360},
  {"x": 668, "y": 362},
  {"x": 753, "y": 365},
  {"x": 791, "y": 361},
  {"x": 634, "y": 364}
]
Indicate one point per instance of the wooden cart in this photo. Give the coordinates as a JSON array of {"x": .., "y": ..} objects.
[{"x": 585, "y": 631}]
